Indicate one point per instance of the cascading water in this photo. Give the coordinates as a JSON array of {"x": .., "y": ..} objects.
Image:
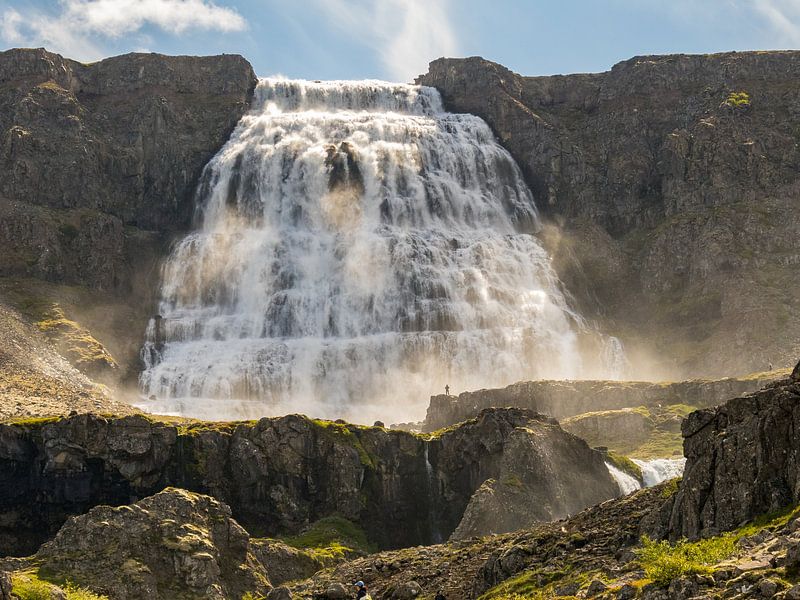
[{"x": 359, "y": 248}]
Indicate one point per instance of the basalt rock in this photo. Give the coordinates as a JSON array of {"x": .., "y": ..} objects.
[
  {"x": 280, "y": 474},
  {"x": 99, "y": 161},
  {"x": 672, "y": 186},
  {"x": 742, "y": 461}
]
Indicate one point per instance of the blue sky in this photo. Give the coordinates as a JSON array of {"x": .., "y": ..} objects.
[{"x": 395, "y": 39}]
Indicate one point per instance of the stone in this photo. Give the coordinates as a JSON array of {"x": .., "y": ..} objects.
[
  {"x": 595, "y": 588},
  {"x": 172, "y": 543},
  {"x": 407, "y": 591},
  {"x": 792, "y": 560},
  {"x": 337, "y": 591},
  {"x": 567, "y": 589},
  {"x": 793, "y": 593},
  {"x": 795, "y": 376},
  {"x": 5, "y": 586},
  {"x": 280, "y": 593},
  {"x": 767, "y": 588}
]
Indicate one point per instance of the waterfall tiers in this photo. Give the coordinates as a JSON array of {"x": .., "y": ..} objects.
[{"x": 357, "y": 249}]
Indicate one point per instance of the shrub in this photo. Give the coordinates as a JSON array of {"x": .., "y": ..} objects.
[{"x": 737, "y": 100}]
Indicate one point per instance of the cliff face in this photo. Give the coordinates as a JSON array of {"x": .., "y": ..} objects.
[
  {"x": 742, "y": 461},
  {"x": 280, "y": 474},
  {"x": 98, "y": 166},
  {"x": 94, "y": 156},
  {"x": 670, "y": 184}
]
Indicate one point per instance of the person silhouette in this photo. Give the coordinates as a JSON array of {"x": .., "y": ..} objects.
[{"x": 446, "y": 390}]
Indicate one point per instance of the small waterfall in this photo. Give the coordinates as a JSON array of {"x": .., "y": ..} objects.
[
  {"x": 653, "y": 472},
  {"x": 660, "y": 469},
  {"x": 436, "y": 534},
  {"x": 614, "y": 360},
  {"x": 358, "y": 248},
  {"x": 625, "y": 482}
]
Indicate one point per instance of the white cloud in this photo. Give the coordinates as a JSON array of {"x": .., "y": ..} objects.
[
  {"x": 783, "y": 16},
  {"x": 80, "y": 25},
  {"x": 407, "y": 34}
]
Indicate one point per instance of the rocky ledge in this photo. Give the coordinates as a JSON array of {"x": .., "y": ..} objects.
[{"x": 281, "y": 474}]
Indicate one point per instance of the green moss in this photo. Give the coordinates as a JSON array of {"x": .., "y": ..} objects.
[
  {"x": 670, "y": 488},
  {"x": 536, "y": 584},
  {"x": 28, "y": 585},
  {"x": 623, "y": 463},
  {"x": 34, "y": 422},
  {"x": 513, "y": 481},
  {"x": 346, "y": 434}
]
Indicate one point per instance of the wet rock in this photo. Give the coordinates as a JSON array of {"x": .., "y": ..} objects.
[
  {"x": 568, "y": 589},
  {"x": 793, "y": 593}
]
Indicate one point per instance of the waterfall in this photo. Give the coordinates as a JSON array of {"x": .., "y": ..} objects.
[
  {"x": 357, "y": 248},
  {"x": 660, "y": 469},
  {"x": 626, "y": 483}
]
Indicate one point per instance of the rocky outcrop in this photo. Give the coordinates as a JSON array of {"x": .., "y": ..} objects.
[
  {"x": 542, "y": 477},
  {"x": 280, "y": 474},
  {"x": 672, "y": 184},
  {"x": 174, "y": 544},
  {"x": 562, "y": 399},
  {"x": 742, "y": 460}
]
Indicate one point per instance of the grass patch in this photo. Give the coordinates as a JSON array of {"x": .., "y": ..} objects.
[
  {"x": 33, "y": 422},
  {"x": 662, "y": 444},
  {"x": 28, "y": 586},
  {"x": 537, "y": 584},
  {"x": 662, "y": 562},
  {"x": 332, "y": 538}
]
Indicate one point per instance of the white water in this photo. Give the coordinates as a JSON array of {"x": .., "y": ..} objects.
[
  {"x": 625, "y": 482},
  {"x": 660, "y": 469},
  {"x": 359, "y": 248},
  {"x": 653, "y": 473}
]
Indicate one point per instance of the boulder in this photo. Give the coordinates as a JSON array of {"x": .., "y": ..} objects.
[
  {"x": 169, "y": 545},
  {"x": 337, "y": 591},
  {"x": 407, "y": 591}
]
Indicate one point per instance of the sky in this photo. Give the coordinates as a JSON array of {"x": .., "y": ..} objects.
[{"x": 395, "y": 39}]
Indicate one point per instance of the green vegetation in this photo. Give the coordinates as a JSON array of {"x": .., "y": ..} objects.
[
  {"x": 738, "y": 100},
  {"x": 344, "y": 433},
  {"x": 28, "y": 586},
  {"x": 670, "y": 488},
  {"x": 623, "y": 463},
  {"x": 662, "y": 444},
  {"x": 251, "y": 596},
  {"x": 662, "y": 562},
  {"x": 536, "y": 585},
  {"x": 332, "y": 538},
  {"x": 33, "y": 422},
  {"x": 76, "y": 343}
]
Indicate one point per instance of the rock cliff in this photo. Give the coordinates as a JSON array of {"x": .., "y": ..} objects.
[
  {"x": 278, "y": 475},
  {"x": 670, "y": 186},
  {"x": 98, "y": 167},
  {"x": 742, "y": 461}
]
